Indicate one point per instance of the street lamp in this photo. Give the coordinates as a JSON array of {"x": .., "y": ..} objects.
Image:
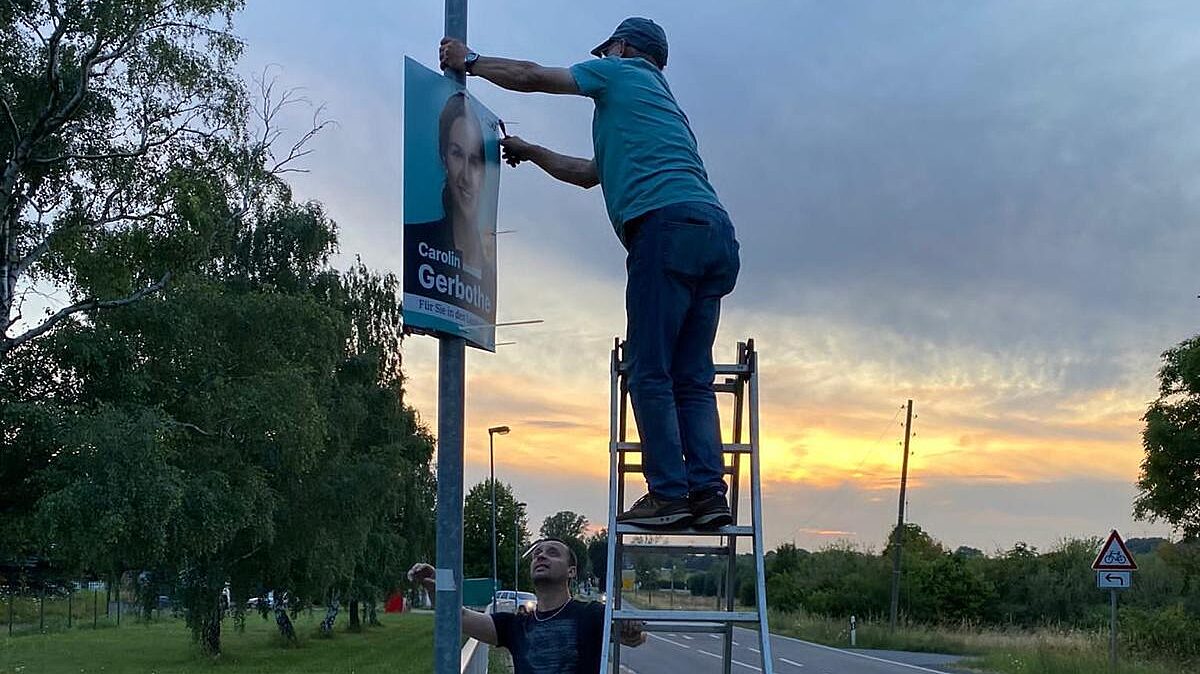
[
  {"x": 492, "y": 433},
  {"x": 517, "y": 547}
]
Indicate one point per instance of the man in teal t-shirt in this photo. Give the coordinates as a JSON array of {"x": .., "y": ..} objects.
[{"x": 682, "y": 253}]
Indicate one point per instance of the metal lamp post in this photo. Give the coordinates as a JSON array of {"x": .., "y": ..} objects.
[{"x": 492, "y": 433}]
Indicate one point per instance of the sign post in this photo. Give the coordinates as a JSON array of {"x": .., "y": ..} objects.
[
  {"x": 452, "y": 359},
  {"x": 1113, "y": 566}
]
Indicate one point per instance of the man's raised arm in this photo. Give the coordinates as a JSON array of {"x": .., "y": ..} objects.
[
  {"x": 475, "y": 625},
  {"x": 523, "y": 76}
]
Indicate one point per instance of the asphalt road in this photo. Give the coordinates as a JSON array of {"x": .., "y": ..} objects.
[{"x": 666, "y": 652}]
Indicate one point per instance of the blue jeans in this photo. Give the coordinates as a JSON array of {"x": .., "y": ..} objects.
[{"x": 683, "y": 259}]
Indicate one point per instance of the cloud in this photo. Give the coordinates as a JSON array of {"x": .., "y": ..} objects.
[{"x": 988, "y": 208}]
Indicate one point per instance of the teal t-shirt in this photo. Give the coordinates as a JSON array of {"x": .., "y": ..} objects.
[{"x": 646, "y": 152}]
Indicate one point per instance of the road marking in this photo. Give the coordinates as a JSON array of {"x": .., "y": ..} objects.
[
  {"x": 917, "y": 668},
  {"x": 790, "y": 662},
  {"x": 715, "y": 636},
  {"x": 687, "y": 636},
  {"x": 670, "y": 641},
  {"x": 736, "y": 644},
  {"x": 755, "y": 649},
  {"x": 714, "y": 655},
  {"x": 630, "y": 670}
]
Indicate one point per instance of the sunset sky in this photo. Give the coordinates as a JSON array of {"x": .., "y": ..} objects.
[{"x": 987, "y": 207}]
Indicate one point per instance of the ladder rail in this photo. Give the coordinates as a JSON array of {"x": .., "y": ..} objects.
[
  {"x": 610, "y": 593},
  {"x": 622, "y": 439},
  {"x": 760, "y": 577},
  {"x": 739, "y": 403}
]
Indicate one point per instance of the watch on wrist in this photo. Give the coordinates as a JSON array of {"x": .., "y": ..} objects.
[{"x": 469, "y": 62}]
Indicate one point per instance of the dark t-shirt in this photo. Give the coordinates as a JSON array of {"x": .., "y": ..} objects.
[{"x": 568, "y": 643}]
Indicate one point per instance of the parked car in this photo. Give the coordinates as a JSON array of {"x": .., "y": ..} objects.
[{"x": 510, "y": 601}]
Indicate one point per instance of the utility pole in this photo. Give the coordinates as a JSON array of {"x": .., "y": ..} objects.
[
  {"x": 452, "y": 360},
  {"x": 898, "y": 533}
]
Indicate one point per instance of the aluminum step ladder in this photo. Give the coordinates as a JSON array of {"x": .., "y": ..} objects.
[{"x": 740, "y": 380}]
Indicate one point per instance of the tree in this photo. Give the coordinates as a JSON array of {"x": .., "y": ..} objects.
[
  {"x": 597, "y": 556},
  {"x": 569, "y": 527},
  {"x": 477, "y": 534},
  {"x": 565, "y": 525},
  {"x": 243, "y": 425},
  {"x": 130, "y": 158},
  {"x": 104, "y": 104},
  {"x": 234, "y": 378},
  {"x": 1170, "y": 475},
  {"x": 260, "y": 428}
]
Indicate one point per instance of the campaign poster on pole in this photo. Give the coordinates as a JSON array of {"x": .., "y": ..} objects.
[{"x": 451, "y": 188}]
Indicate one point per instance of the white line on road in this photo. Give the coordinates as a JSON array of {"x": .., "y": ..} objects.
[
  {"x": 715, "y": 636},
  {"x": 790, "y": 662},
  {"x": 714, "y": 655},
  {"x": 670, "y": 641},
  {"x": 628, "y": 670},
  {"x": 687, "y": 636},
  {"x": 755, "y": 649},
  {"x": 860, "y": 655}
]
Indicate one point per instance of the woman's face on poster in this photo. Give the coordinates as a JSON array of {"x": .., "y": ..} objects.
[{"x": 464, "y": 167}]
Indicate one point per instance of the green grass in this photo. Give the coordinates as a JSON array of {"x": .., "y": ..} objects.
[
  {"x": 27, "y": 616},
  {"x": 499, "y": 661},
  {"x": 402, "y": 645},
  {"x": 1049, "y": 661},
  {"x": 1044, "y": 651}
]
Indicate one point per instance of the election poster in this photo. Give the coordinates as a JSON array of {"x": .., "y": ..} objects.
[{"x": 451, "y": 187}]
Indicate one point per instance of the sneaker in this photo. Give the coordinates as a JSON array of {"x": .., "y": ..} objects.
[
  {"x": 710, "y": 509},
  {"x": 654, "y": 511}
]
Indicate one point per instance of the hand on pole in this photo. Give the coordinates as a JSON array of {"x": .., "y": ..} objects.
[
  {"x": 452, "y": 54},
  {"x": 425, "y": 575},
  {"x": 515, "y": 150}
]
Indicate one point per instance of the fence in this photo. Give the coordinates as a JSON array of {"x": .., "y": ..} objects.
[{"x": 89, "y": 604}]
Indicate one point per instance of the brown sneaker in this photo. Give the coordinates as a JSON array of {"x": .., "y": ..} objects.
[
  {"x": 710, "y": 509},
  {"x": 653, "y": 511}
]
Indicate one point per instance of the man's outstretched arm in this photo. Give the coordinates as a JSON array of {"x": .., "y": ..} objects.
[
  {"x": 475, "y": 625},
  {"x": 574, "y": 170},
  {"x": 523, "y": 76}
]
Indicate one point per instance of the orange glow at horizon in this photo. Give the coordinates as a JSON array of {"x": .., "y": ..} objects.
[{"x": 564, "y": 431}]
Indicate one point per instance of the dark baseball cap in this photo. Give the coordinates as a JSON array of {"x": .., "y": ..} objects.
[{"x": 643, "y": 35}]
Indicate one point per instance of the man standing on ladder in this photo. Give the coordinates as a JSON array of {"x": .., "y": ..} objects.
[{"x": 682, "y": 254}]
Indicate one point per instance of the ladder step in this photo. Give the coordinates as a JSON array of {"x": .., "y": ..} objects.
[
  {"x": 722, "y": 617},
  {"x": 727, "y": 387},
  {"x": 688, "y": 531},
  {"x": 680, "y": 628},
  {"x": 726, "y": 448},
  {"x": 677, "y": 549},
  {"x": 637, "y": 468}
]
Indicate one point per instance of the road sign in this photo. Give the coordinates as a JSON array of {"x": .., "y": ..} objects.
[
  {"x": 1113, "y": 580},
  {"x": 1114, "y": 556}
]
